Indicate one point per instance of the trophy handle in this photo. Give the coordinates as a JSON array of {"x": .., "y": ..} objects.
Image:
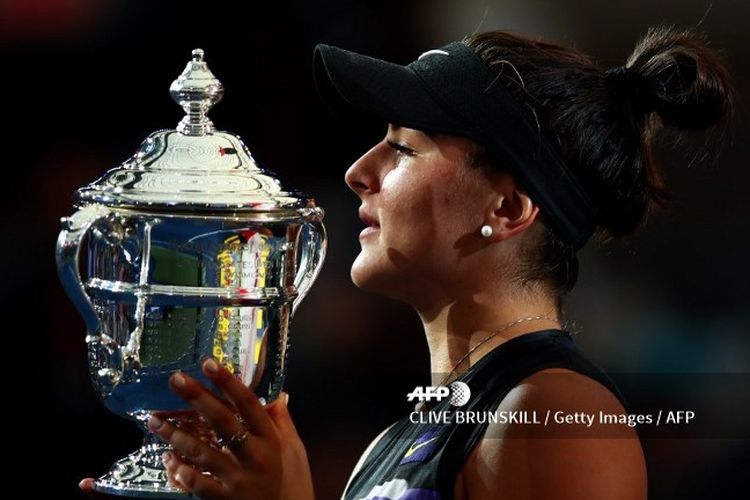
[
  {"x": 74, "y": 228},
  {"x": 313, "y": 256},
  {"x": 106, "y": 356}
]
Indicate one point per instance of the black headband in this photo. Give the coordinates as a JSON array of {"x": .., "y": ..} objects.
[{"x": 451, "y": 90}]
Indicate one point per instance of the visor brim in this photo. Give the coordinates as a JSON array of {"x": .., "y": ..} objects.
[{"x": 353, "y": 85}]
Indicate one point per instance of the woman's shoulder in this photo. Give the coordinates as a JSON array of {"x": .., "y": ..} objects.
[
  {"x": 528, "y": 364},
  {"x": 565, "y": 389},
  {"x": 561, "y": 435}
]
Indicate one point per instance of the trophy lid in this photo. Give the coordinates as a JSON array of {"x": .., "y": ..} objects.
[{"x": 193, "y": 168}]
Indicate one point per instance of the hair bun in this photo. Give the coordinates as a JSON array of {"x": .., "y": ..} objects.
[
  {"x": 688, "y": 79},
  {"x": 631, "y": 88}
]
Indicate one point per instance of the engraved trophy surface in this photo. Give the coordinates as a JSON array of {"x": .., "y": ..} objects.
[{"x": 191, "y": 250}]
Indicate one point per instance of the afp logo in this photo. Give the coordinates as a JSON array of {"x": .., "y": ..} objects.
[{"x": 458, "y": 392}]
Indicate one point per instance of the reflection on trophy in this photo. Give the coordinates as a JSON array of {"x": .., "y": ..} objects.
[{"x": 193, "y": 251}]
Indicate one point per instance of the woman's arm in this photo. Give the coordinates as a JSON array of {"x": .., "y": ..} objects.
[{"x": 557, "y": 461}]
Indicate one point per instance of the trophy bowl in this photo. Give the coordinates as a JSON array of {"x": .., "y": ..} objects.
[{"x": 191, "y": 251}]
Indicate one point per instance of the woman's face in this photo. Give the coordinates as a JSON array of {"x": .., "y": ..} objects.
[{"x": 423, "y": 207}]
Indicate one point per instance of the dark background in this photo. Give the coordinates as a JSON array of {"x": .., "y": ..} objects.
[{"x": 85, "y": 81}]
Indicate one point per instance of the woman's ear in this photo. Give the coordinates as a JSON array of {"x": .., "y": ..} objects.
[{"x": 510, "y": 214}]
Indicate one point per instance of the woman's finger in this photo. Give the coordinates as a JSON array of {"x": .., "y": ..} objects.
[
  {"x": 219, "y": 416},
  {"x": 279, "y": 413},
  {"x": 244, "y": 399},
  {"x": 300, "y": 483},
  {"x": 188, "y": 478},
  {"x": 192, "y": 448},
  {"x": 172, "y": 462},
  {"x": 87, "y": 486}
]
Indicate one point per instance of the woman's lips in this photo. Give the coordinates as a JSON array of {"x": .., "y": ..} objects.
[
  {"x": 367, "y": 218},
  {"x": 373, "y": 225},
  {"x": 368, "y": 231}
]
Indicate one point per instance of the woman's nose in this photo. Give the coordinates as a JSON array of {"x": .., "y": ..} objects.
[{"x": 362, "y": 176}]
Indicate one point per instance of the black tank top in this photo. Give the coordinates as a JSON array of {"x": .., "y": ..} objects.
[{"x": 420, "y": 460}]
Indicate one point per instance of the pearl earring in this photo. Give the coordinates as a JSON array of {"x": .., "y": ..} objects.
[{"x": 486, "y": 230}]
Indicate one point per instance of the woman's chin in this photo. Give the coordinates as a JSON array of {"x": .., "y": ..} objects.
[
  {"x": 365, "y": 277},
  {"x": 388, "y": 283},
  {"x": 360, "y": 275}
]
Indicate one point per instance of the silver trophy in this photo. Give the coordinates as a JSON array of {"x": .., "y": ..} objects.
[{"x": 193, "y": 251}]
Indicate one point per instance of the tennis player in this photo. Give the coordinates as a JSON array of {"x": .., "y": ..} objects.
[{"x": 503, "y": 156}]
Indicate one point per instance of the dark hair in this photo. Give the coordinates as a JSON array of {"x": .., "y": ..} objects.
[{"x": 604, "y": 123}]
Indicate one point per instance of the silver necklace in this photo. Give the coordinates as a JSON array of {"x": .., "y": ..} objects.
[{"x": 421, "y": 405}]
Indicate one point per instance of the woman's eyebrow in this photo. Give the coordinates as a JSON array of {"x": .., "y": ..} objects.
[{"x": 409, "y": 132}]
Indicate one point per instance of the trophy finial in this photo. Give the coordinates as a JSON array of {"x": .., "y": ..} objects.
[{"x": 196, "y": 90}]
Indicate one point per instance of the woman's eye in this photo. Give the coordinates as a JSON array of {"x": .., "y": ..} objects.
[{"x": 401, "y": 148}]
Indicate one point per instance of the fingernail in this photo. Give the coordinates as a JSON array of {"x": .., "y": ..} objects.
[
  {"x": 155, "y": 422},
  {"x": 285, "y": 396},
  {"x": 180, "y": 478},
  {"x": 166, "y": 457},
  {"x": 178, "y": 380},
  {"x": 211, "y": 366}
]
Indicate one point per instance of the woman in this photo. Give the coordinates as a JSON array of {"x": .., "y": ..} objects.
[{"x": 503, "y": 156}]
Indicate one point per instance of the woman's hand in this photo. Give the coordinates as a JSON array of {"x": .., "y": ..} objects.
[{"x": 262, "y": 459}]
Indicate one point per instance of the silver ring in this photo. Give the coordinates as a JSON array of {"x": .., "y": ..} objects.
[{"x": 234, "y": 442}]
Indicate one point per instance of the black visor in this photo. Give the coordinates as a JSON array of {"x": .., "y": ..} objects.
[{"x": 451, "y": 90}]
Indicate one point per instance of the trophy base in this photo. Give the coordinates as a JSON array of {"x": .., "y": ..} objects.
[{"x": 141, "y": 475}]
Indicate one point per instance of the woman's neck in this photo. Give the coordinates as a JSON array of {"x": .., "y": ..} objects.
[{"x": 453, "y": 329}]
